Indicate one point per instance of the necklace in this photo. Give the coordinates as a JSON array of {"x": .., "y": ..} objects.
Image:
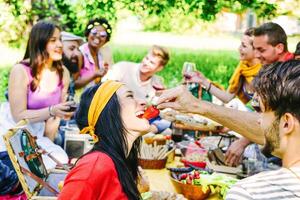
[
  {"x": 289, "y": 168},
  {"x": 294, "y": 173}
]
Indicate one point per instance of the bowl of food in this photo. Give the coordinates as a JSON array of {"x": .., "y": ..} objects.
[
  {"x": 199, "y": 184},
  {"x": 159, "y": 139},
  {"x": 188, "y": 184},
  {"x": 192, "y": 154},
  {"x": 152, "y": 164},
  {"x": 154, "y": 156}
]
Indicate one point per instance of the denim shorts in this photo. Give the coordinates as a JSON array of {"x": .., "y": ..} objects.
[{"x": 8, "y": 176}]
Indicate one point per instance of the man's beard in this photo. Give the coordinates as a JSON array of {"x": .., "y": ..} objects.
[
  {"x": 272, "y": 138},
  {"x": 71, "y": 66}
]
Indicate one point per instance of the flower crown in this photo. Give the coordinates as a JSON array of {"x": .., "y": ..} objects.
[{"x": 105, "y": 25}]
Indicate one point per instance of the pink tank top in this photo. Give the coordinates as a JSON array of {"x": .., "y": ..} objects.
[
  {"x": 39, "y": 99},
  {"x": 89, "y": 66}
]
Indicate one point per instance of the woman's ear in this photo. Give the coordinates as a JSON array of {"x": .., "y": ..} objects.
[{"x": 288, "y": 123}]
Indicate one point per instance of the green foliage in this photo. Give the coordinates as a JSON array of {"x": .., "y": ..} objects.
[
  {"x": 159, "y": 15},
  {"x": 17, "y": 16},
  {"x": 13, "y": 22},
  {"x": 4, "y": 73}
]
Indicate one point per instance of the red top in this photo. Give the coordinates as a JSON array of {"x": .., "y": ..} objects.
[{"x": 94, "y": 177}]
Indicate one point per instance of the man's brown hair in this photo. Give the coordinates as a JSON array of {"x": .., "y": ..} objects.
[
  {"x": 275, "y": 33},
  {"x": 161, "y": 52},
  {"x": 278, "y": 85}
]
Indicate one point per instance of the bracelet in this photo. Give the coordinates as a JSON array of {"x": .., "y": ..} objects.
[
  {"x": 209, "y": 87},
  {"x": 50, "y": 109}
]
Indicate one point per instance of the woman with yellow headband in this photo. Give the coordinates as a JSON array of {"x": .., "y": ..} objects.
[{"x": 109, "y": 171}]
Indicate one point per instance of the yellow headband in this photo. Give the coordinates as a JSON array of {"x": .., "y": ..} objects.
[{"x": 99, "y": 101}]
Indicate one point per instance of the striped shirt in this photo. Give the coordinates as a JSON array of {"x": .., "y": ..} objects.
[{"x": 278, "y": 184}]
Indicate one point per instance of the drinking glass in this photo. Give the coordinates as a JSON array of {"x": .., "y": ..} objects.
[
  {"x": 158, "y": 83},
  {"x": 187, "y": 68},
  {"x": 72, "y": 108}
]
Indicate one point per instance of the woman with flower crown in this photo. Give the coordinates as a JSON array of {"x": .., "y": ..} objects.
[{"x": 96, "y": 55}]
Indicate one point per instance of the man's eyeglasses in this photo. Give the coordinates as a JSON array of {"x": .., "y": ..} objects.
[{"x": 95, "y": 32}]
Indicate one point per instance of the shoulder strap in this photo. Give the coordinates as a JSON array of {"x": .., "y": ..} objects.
[
  {"x": 39, "y": 180},
  {"x": 43, "y": 151},
  {"x": 28, "y": 71}
]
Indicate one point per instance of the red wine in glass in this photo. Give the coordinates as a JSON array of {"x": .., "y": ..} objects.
[
  {"x": 73, "y": 106},
  {"x": 158, "y": 87},
  {"x": 187, "y": 76}
]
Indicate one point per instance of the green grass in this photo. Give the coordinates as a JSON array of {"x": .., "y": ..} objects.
[{"x": 216, "y": 65}]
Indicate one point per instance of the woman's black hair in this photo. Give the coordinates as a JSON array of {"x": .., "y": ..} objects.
[
  {"x": 98, "y": 22},
  {"x": 112, "y": 140},
  {"x": 297, "y": 51}
]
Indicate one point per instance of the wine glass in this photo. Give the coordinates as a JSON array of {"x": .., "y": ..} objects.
[
  {"x": 187, "y": 68},
  {"x": 72, "y": 108},
  {"x": 158, "y": 83}
]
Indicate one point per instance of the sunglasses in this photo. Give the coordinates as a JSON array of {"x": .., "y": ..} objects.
[{"x": 95, "y": 32}]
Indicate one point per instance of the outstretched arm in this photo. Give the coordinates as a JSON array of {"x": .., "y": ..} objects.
[
  {"x": 198, "y": 77},
  {"x": 245, "y": 123}
]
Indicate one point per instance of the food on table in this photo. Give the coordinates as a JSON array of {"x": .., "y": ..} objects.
[
  {"x": 216, "y": 183},
  {"x": 162, "y": 195},
  {"x": 151, "y": 112},
  {"x": 192, "y": 154},
  {"x": 189, "y": 119},
  {"x": 181, "y": 169},
  {"x": 143, "y": 181},
  {"x": 153, "y": 152},
  {"x": 158, "y": 138}
]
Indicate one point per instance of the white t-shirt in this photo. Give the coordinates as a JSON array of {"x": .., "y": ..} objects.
[
  {"x": 279, "y": 185},
  {"x": 128, "y": 73}
]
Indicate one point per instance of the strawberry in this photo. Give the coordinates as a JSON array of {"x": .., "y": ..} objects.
[
  {"x": 168, "y": 137},
  {"x": 196, "y": 172},
  {"x": 150, "y": 113},
  {"x": 196, "y": 176},
  {"x": 183, "y": 176}
]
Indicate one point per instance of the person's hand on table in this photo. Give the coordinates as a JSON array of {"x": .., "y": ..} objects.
[
  {"x": 178, "y": 98},
  {"x": 234, "y": 154}
]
